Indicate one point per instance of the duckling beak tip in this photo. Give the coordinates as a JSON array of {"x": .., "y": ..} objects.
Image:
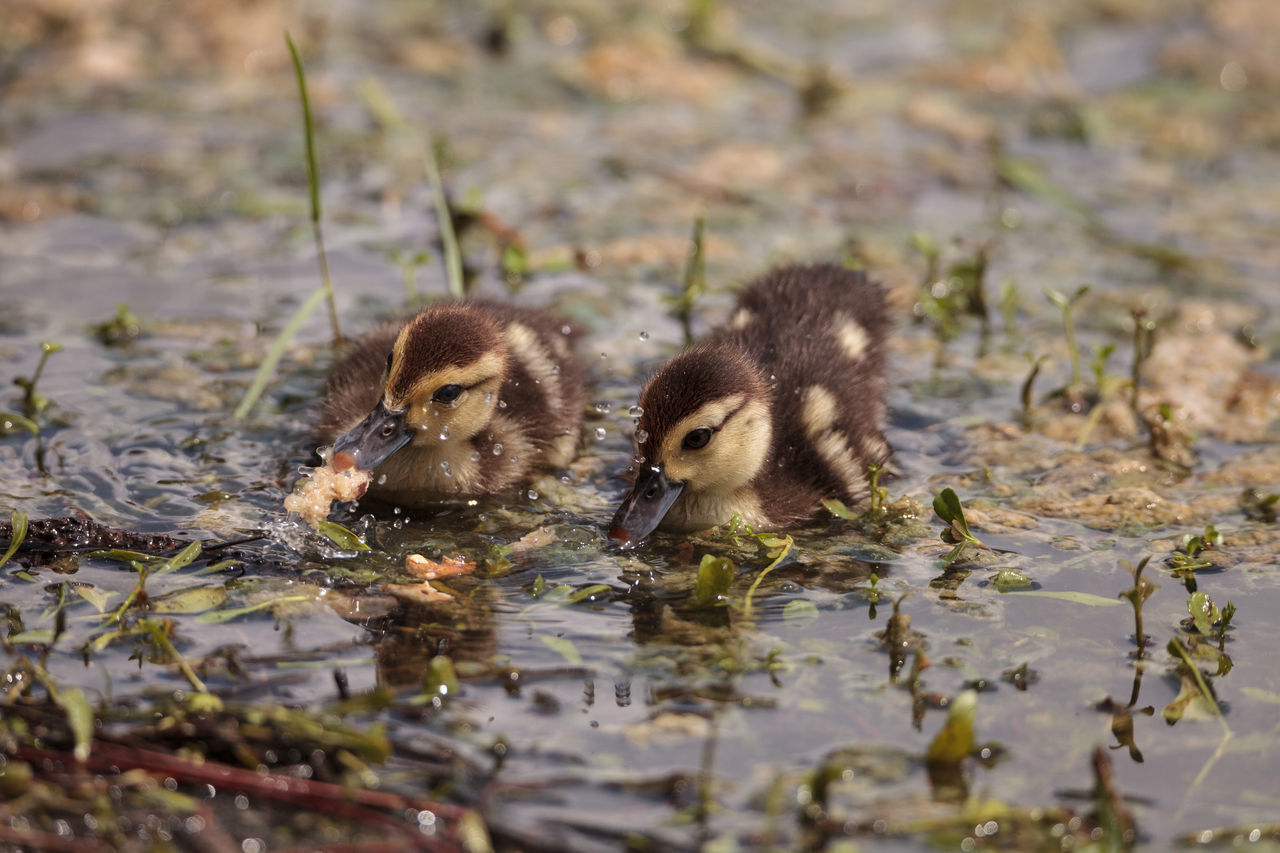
[{"x": 622, "y": 536}]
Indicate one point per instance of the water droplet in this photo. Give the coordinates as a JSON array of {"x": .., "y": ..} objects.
[
  {"x": 475, "y": 456},
  {"x": 444, "y": 466},
  {"x": 600, "y": 433},
  {"x": 533, "y": 495},
  {"x": 644, "y": 336},
  {"x": 555, "y": 369},
  {"x": 641, "y": 436},
  {"x": 635, "y": 411},
  {"x": 444, "y": 433},
  {"x": 382, "y": 479},
  {"x": 639, "y": 460},
  {"x": 566, "y": 330},
  {"x": 603, "y": 407},
  {"x": 497, "y": 449},
  {"x": 604, "y": 355},
  {"x": 488, "y": 397},
  {"x": 502, "y": 404}
]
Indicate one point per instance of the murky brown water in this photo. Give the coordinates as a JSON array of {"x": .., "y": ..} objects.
[{"x": 156, "y": 162}]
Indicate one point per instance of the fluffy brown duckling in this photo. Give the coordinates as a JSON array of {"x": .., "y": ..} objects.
[
  {"x": 464, "y": 399},
  {"x": 772, "y": 413}
]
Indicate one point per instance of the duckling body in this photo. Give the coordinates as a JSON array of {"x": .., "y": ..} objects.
[
  {"x": 777, "y": 410},
  {"x": 463, "y": 399}
]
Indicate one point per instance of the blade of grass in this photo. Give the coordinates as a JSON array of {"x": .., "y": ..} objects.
[
  {"x": 276, "y": 352},
  {"x": 448, "y": 239},
  {"x": 313, "y": 182},
  {"x": 17, "y": 533}
]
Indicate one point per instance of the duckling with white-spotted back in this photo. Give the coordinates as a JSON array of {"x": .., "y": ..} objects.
[
  {"x": 464, "y": 399},
  {"x": 772, "y": 413}
]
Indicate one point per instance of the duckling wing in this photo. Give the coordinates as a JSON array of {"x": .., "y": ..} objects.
[
  {"x": 818, "y": 333},
  {"x": 545, "y": 387}
]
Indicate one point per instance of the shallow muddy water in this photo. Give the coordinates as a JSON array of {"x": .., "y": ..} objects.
[{"x": 153, "y": 160}]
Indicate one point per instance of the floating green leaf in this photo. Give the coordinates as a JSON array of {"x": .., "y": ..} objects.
[
  {"x": 341, "y": 536},
  {"x": 219, "y": 616},
  {"x": 563, "y": 647},
  {"x": 196, "y": 599},
  {"x": 442, "y": 680},
  {"x": 838, "y": 509},
  {"x": 17, "y": 533},
  {"x": 97, "y": 597},
  {"x": 1008, "y": 580},
  {"x": 1203, "y": 612},
  {"x": 799, "y": 613},
  {"x": 1075, "y": 597},
  {"x": 588, "y": 592},
  {"x": 11, "y": 422},
  {"x": 955, "y": 740},
  {"x": 79, "y": 713},
  {"x": 715, "y": 574},
  {"x": 181, "y": 559},
  {"x": 36, "y": 636}
]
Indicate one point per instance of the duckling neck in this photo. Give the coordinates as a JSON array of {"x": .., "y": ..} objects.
[{"x": 701, "y": 510}]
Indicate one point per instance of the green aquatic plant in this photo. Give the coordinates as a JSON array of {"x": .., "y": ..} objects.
[
  {"x": 1144, "y": 329},
  {"x": 1258, "y": 505},
  {"x": 1191, "y": 554},
  {"x": 711, "y": 588},
  {"x": 408, "y": 262},
  {"x": 313, "y": 185},
  {"x": 323, "y": 293},
  {"x": 955, "y": 741},
  {"x": 946, "y": 504},
  {"x": 1010, "y": 302},
  {"x": 1067, "y": 304},
  {"x": 1205, "y": 615},
  {"x": 1137, "y": 595},
  {"x": 444, "y": 221},
  {"x": 34, "y": 405},
  {"x": 17, "y": 533},
  {"x": 122, "y": 329},
  {"x": 1025, "y": 394},
  {"x": 693, "y": 284}
]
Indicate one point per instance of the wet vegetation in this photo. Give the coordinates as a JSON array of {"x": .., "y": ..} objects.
[{"x": 1073, "y": 650}]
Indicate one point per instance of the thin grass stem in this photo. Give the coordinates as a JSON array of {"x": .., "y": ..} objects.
[
  {"x": 448, "y": 239},
  {"x": 313, "y": 183},
  {"x": 276, "y": 352}
]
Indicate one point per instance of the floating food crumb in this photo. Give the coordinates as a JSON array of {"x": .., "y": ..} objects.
[
  {"x": 430, "y": 569},
  {"x": 314, "y": 495}
]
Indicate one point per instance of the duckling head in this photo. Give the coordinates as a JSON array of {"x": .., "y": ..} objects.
[
  {"x": 441, "y": 384},
  {"x": 705, "y": 431}
]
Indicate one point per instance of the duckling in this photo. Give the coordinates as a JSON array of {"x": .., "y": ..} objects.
[
  {"x": 775, "y": 411},
  {"x": 463, "y": 399}
]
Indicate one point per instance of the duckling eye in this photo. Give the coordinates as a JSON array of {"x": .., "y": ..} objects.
[
  {"x": 696, "y": 439},
  {"x": 447, "y": 393}
]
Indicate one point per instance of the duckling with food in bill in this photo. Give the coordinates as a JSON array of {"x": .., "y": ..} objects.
[
  {"x": 772, "y": 413},
  {"x": 462, "y": 400}
]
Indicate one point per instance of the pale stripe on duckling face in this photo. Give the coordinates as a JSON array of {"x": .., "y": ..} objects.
[
  {"x": 819, "y": 416},
  {"x": 742, "y": 431},
  {"x": 852, "y": 336},
  {"x": 461, "y": 418}
]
